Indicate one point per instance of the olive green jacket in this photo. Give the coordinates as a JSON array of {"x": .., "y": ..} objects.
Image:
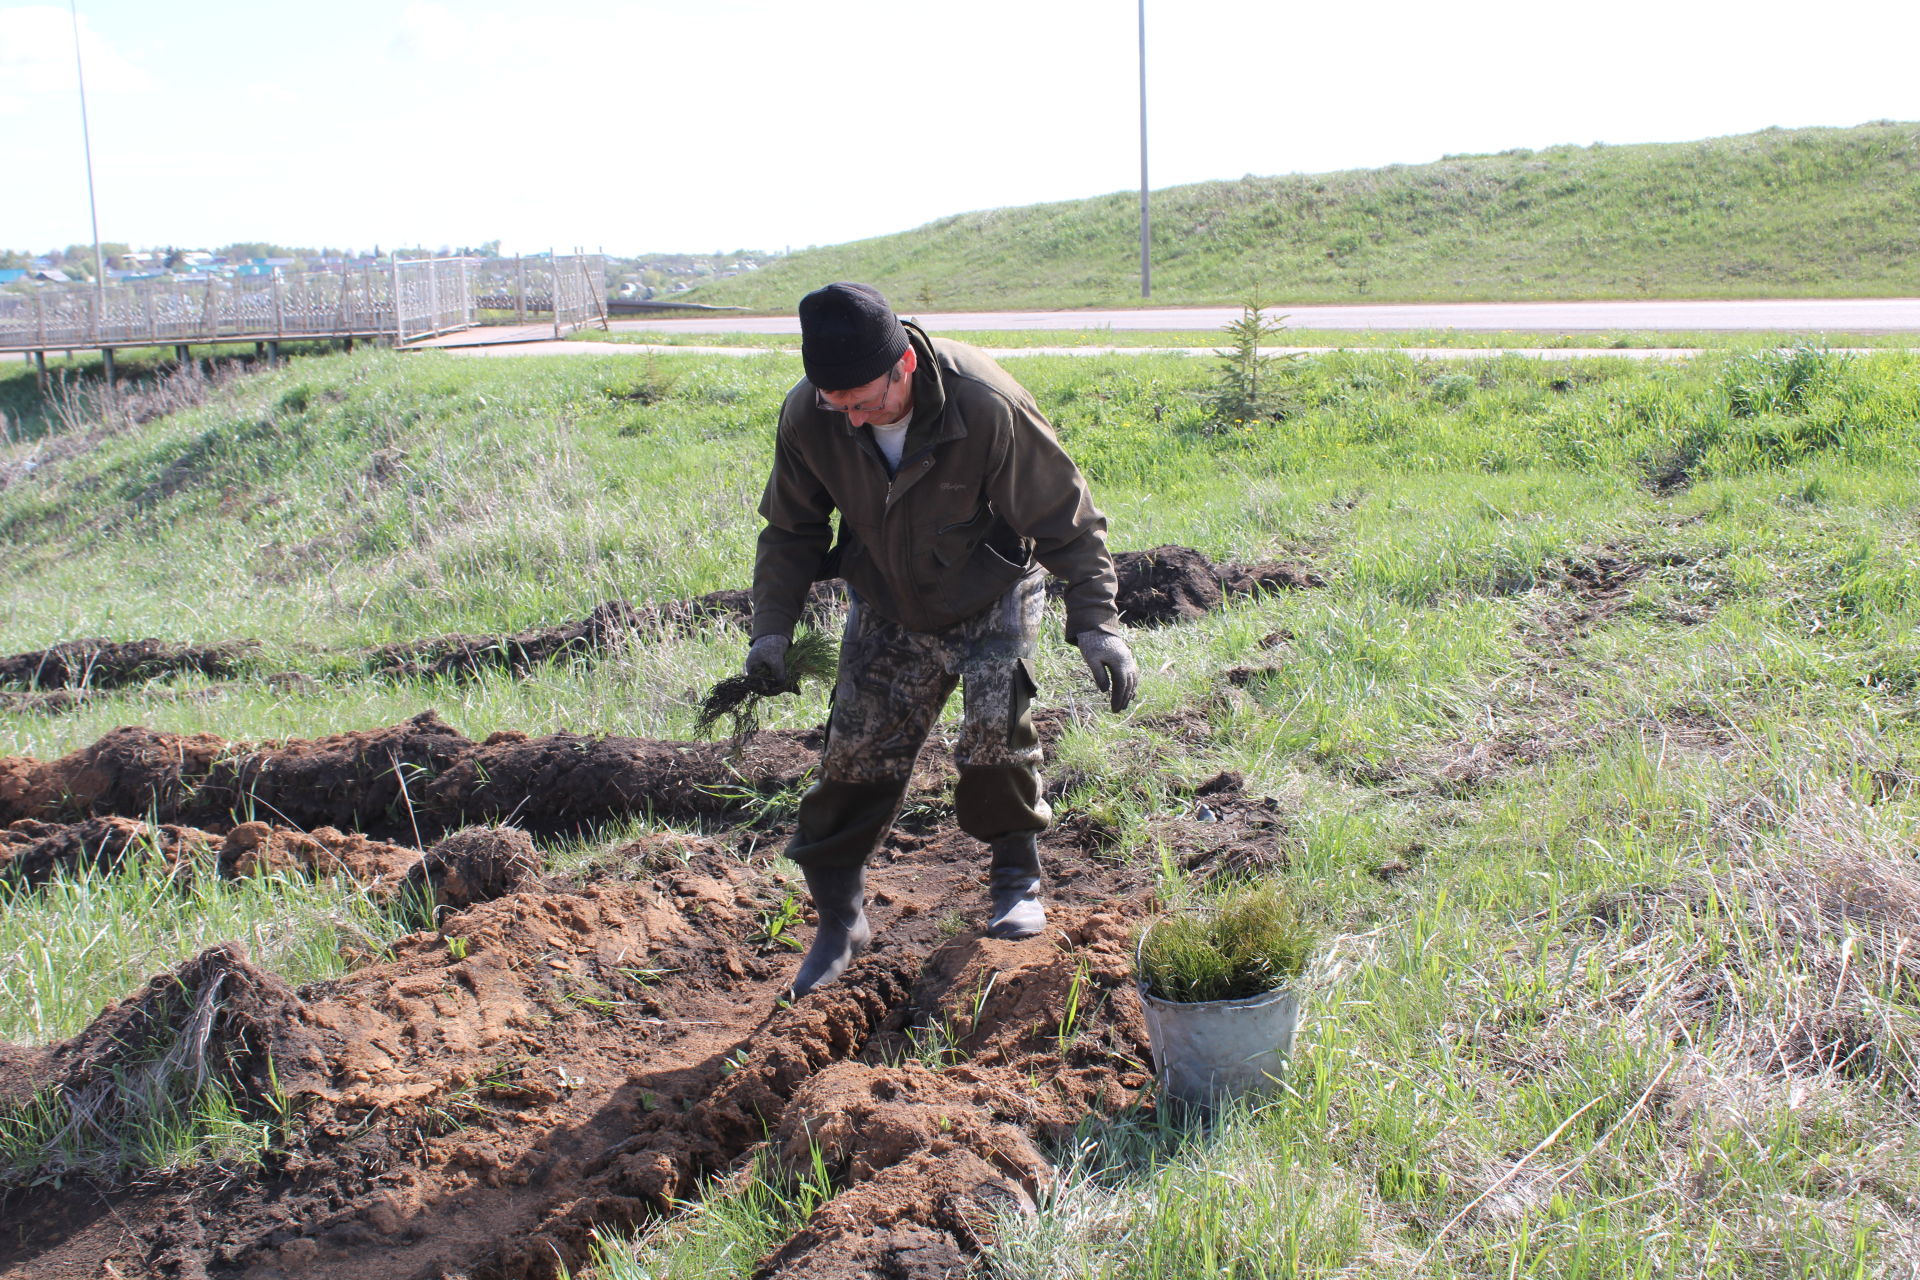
[{"x": 983, "y": 490}]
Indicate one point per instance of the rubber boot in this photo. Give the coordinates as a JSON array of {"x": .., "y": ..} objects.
[
  {"x": 1015, "y": 882},
  {"x": 840, "y": 898}
]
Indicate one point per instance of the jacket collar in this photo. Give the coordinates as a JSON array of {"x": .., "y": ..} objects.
[{"x": 930, "y": 424}]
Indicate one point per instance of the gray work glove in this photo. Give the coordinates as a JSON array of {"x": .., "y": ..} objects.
[
  {"x": 1112, "y": 664},
  {"x": 767, "y": 658}
]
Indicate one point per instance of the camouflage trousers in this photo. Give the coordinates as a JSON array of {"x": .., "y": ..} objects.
[{"x": 892, "y": 686}]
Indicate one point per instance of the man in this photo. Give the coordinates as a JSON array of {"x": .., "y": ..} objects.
[{"x": 955, "y": 500}]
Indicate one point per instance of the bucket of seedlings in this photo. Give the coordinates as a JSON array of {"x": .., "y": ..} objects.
[{"x": 1220, "y": 987}]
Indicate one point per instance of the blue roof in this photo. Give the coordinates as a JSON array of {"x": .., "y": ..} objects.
[{"x": 9, "y": 274}]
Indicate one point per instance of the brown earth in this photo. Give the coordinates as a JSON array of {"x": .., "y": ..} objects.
[
  {"x": 470, "y": 866},
  {"x": 253, "y": 848},
  {"x": 1178, "y": 584},
  {"x": 570, "y": 1058},
  {"x": 473, "y": 866},
  {"x": 32, "y": 852},
  {"x": 415, "y": 780},
  {"x": 111, "y": 664},
  {"x": 1166, "y": 584}
]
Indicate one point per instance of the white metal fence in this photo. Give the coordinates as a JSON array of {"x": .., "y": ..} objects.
[
  {"x": 404, "y": 301},
  {"x": 570, "y": 289}
]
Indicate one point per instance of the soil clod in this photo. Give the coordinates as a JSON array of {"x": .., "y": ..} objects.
[
  {"x": 474, "y": 865},
  {"x": 110, "y": 664},
  {"x": 32, "y": 853}
]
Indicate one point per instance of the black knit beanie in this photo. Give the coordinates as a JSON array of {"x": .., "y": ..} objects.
[{"x": 848, "y": 336}]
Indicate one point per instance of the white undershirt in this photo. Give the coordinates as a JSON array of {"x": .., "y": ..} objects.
[{"x": 892, "y": 440}]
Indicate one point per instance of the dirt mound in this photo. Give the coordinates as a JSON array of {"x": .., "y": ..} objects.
[
  {"x": 346, "y": 780},
  {"x": 33, "y": 852},
  {"x": 930, "y": 1166},
  {"x": 214, "y": 1022},
  {"x": 255, "y": 848},
  {"x": 1178, "y": 584},
  {"x": 23, "y": 1070},
  {"x": 612, "y": 625},
  {"x": 414, "y": 779},
  {"x": 110, "y": 664},
  {"x": 131, "y": 771},
  {"x": 561, "y": 1061},
  {"x": 1166, "y": 584},
  {"x": 474, "y": 865},
  {"x": 361, "y": 779},
  {"x": 566, "y": 779}
]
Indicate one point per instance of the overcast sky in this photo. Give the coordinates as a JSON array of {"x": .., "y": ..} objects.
[{"x": 708, "y": 125}]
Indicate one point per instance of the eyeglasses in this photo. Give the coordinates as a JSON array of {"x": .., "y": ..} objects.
[{"x": 878, "y": 403}]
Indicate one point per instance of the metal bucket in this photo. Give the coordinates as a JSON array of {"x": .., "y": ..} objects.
[
  {"x": 1208, "y": 1052},
  {"x": 1213, "y": 1051}
]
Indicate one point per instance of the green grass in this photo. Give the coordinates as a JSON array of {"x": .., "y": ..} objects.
[
  {"x": 67, "y": 946},
  {"x": 735, "y": 1222},
  {"x": 1799, "y": 213},
  {"x": 1616, "y": 894}
]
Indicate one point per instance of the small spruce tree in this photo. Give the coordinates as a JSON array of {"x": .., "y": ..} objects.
[{"x": 1246, "y": 383}]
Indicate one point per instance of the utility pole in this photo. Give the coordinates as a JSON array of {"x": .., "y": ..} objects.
[
  {"x": 1146, "y": 256},
  {"x": 86, "y": 143}
]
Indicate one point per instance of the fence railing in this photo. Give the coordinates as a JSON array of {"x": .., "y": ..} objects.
[
  {"x": 570, "y": 289},
  {"x": 403, "y": 300}
]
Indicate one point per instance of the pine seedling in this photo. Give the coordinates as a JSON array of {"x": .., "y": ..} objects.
[
  {"x": 813, "y": 655},
  {"x": 1252, "y": 943}
]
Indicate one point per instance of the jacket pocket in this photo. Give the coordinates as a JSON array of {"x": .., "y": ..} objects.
[{"x": 954, "y": 543}]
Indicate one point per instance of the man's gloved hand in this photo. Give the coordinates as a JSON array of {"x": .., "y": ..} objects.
[
  {"x": 767, "y": 658},
  {"x": 1112, "y": 664}
]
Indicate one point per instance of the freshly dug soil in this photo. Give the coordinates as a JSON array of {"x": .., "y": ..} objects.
[
  {"x": 1178, "y": 584},
  {"x": 567, "y": 779},
  {"x": 474, "y": 865},
  {"x": 253, "y": 848},
  {"x": 585, "y": 1059},
  {"x": 418, "y": 779},
  {"x": 214, "y": 1019},
  {"x": 111, "y": 664},
  {"x": 1166, "y": 584},
  {"x": 33, "y": 852}
]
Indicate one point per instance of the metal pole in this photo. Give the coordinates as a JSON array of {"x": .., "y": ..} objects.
[
  {"x": 1146, "y": 256},
  {"x": 86, "y": 143}
]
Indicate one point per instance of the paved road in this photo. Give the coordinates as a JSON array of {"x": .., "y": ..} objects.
[
  {"x": 1002, "y": 353},
  {"x": 1858, "y": 315}
]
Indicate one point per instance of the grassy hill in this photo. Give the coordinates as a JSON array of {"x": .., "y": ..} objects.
[
  {"x": 1784, "y": 213},
  {"x": 1593, "y": 757}
]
